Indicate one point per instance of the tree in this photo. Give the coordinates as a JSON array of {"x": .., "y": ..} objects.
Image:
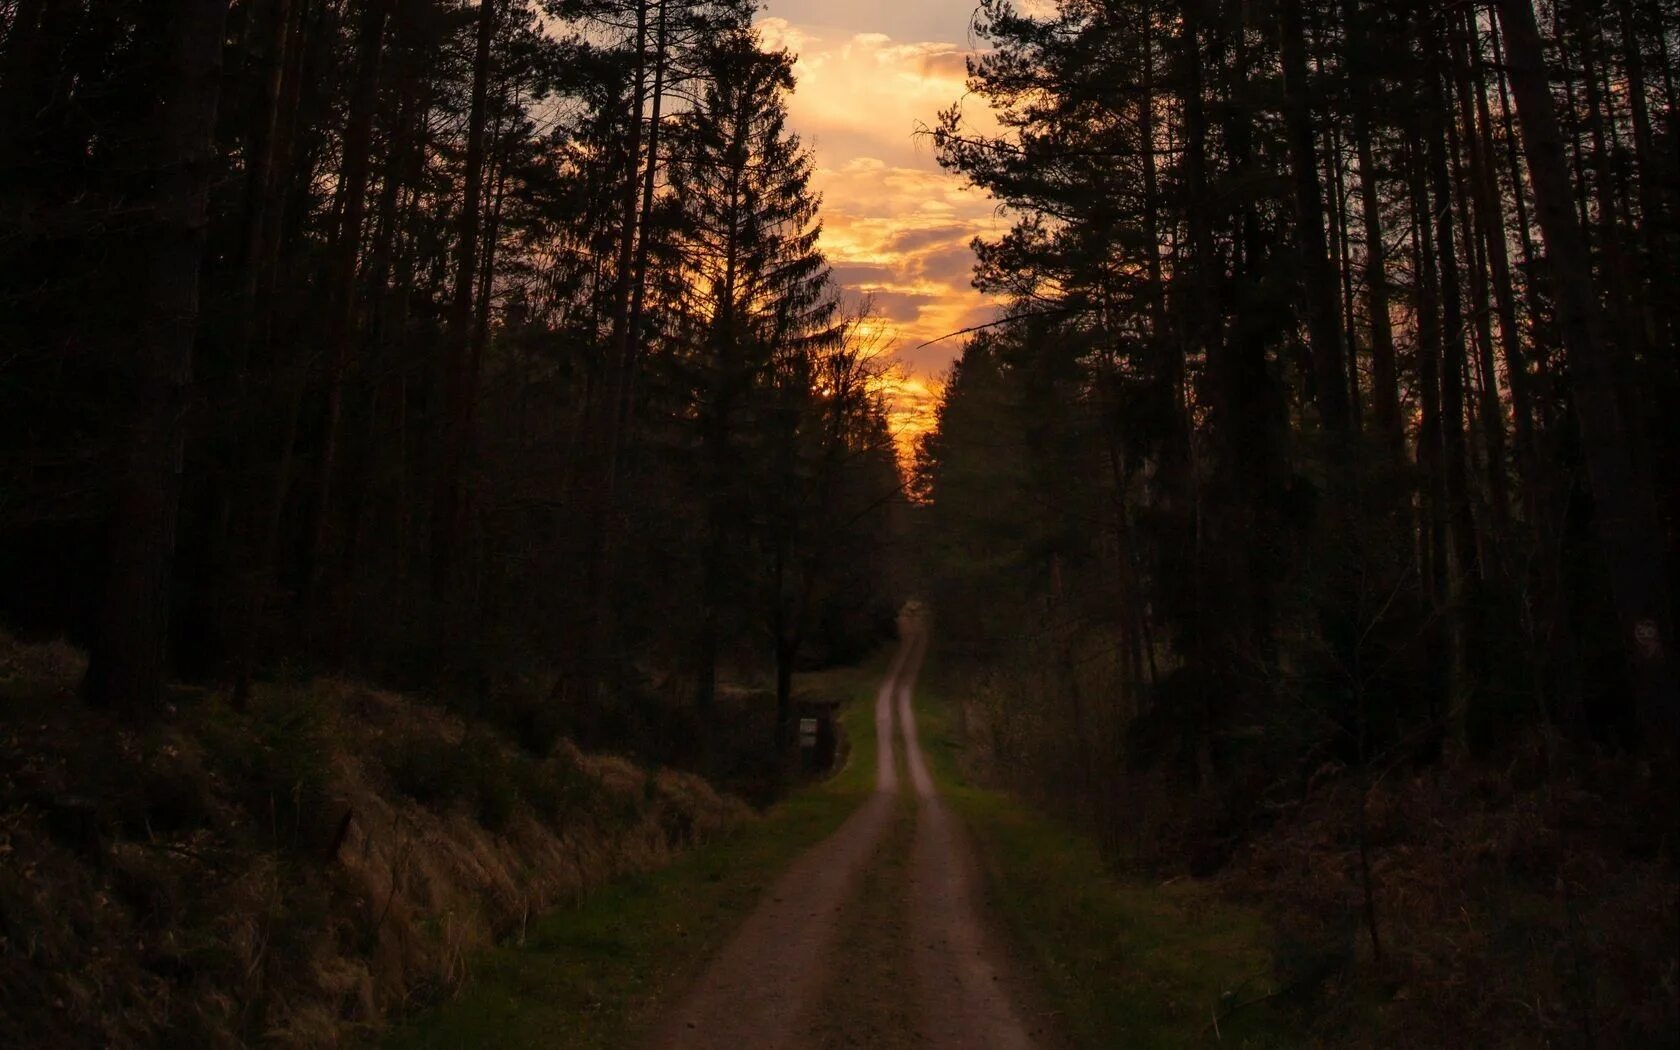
[
  {"x": 756, "y": 313},
  {"x": 129, "y": 659},
  {"x": 1625, "y": 515}
]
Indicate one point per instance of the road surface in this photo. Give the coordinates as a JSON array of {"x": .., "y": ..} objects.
[{"x": 875, "y": 937}]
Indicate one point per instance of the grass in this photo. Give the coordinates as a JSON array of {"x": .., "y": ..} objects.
[
  {"x": 1125, "y": 962},
  {"x": 866, "y": 1003},
  {"x": 596, "y": 975}
]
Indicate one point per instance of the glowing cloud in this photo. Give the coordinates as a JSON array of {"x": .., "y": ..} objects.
[{"x": 895, "y": 227}]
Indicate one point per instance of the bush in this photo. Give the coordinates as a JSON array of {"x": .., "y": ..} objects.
[
  {"x": 479, "y": 772},
  {"x": 490, "y": 771},
  {"x": 556, "y": 787},
  {"x": 429, "y": 770},
  {"x": 276, "y": 759}
]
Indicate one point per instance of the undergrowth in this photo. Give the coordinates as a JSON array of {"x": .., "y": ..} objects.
[
  {"x": 1126, "y": 960},
  {"x": 291, "y": 872},
  {"x": 1530, "y": 898}
]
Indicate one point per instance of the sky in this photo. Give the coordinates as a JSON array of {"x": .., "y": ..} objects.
[{"x": 895, "y": 226}]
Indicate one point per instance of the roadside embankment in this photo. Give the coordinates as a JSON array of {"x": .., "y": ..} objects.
[
  {"x": 293, "y": 873},
  {"x": 598, "y": 974}
]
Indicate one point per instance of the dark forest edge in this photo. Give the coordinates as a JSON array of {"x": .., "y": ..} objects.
[
  {"x": 480, "y": 349},
  {"x": 298, "y": 869},
  {"x": 431, "y": 340},
  {"x": 1312, "y": 527}
]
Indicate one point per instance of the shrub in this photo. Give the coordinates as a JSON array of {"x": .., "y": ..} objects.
[
  {"x": 276, "y": 760},
  {"x": 429, "y": 770}
]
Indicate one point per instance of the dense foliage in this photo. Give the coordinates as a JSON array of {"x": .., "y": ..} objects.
[
  {"x": 1330, "y": 441},
  {"x": 1294, "y": 409},
  {"x": 446, "y": 341}
]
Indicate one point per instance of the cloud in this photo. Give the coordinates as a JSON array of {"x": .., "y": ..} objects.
[
  {"x": 903, "y": 307},
  {"x": 862, "y": 275},
  {"x": 781, "y": 35},
  {"x": 915, "y": 239},
  {"x": 896, "y": 227},
  {"x": 950, "y": 265}
]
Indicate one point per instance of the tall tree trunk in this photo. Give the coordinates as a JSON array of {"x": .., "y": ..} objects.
[
  {"x": 1343, "y": 244},
  {"x": 1624, "y": 512},
  {"x": 129, "y": 658},
  {"x": 1491, "y": 214},
  {"x": 449, "y": 524},
  {"x": 1658, "y": 309},
  {"x": 1323, "y": 326},
  {"x": 357, "y": 163},
  {"x": 1433, "y": 500},
  {"x": 624, "y": 292},
  {"x": 487, "y": 266},
  {"x": 1474, "y": 204},
  {"x": 1513, "y": 157},
  {"x": 1463, "y": 586},
  {"x": 265, "y": 149},
  {"x": 644, "y": 224},
  {"x": 592, "y": 632},
  {"x": 235, "y": 567},
  {"x": 1628, "y": 338},
  {"x": 1385, "y": 381}
]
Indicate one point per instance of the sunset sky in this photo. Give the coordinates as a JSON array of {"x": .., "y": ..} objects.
[{"x": 895, "y": 226}]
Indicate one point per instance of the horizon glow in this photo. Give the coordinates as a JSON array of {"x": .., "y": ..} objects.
[{"x": 896, "y": 228}]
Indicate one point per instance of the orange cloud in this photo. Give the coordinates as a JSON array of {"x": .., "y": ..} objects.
[{"x": 895, "y": 226}]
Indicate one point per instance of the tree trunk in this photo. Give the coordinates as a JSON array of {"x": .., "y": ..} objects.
[
  {"x": 1464, "y": 578},
  {"x": 449, "y": 524},
  {"x": 1624, "y": 513},
  {"x": 1385, "y": 380},
  {"x": 354, "y": 171},
  {"x": 638, "y": 295},
  {"x": 1433, "y": 495},
  {"x": 1658, "y": 310},
  {"x": 1323, "y": 326},
  {"x": 1473, "y": 207},
  {"x": 1492, "y": 216},
  {"x": 129, "y": 658}
]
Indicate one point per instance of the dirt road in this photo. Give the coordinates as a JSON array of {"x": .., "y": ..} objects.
[{"x": 874, "y": 937}]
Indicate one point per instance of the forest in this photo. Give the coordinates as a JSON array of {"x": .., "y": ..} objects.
[
  {"x": 480, "y": 350},
  {"x": 416, "y": 338},
  {"x": 1322, "y": 478},
  {"x": 1305, "y": 526}
]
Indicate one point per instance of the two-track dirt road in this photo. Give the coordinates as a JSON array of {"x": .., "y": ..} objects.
[{"x": 875, "y": 936}]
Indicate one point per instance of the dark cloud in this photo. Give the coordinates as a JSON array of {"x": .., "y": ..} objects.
[
  {"x": 932, "y": 360},
  {"x": 862, "y": 275},
  {"x": 903, "y": 307},
  {"x": 950, "y": 266},
  {"x": 952, "y": 64},
  {"x": 917, "y": 239}
]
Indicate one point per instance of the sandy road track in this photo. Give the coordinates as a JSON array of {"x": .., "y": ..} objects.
[{"x": 770, "y": 985}]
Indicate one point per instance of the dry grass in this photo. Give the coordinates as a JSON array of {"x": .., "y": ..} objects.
[
  {"x": 1513, "y": 909},
  {"x": 291, "y": 874},
  {"x": 1519, "y": 901}
]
